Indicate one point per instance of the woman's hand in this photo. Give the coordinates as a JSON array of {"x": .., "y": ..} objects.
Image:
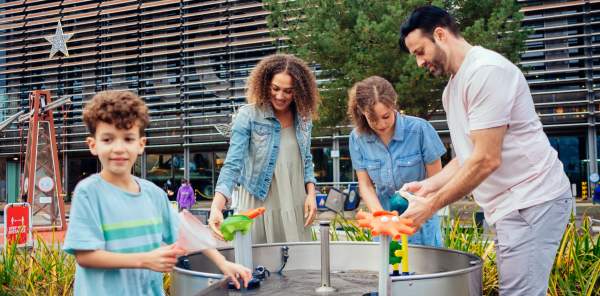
[
  {"x": 216, "y": 214},
  {"x": 310, "y": 208}
]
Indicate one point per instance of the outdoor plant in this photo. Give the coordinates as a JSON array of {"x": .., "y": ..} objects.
[
  {"x": 41, "y": 270},
  {"x": 577, "y": 266},
  {"x": 472, "y": 239}
]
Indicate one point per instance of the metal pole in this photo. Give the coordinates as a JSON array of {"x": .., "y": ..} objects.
[
  {"x": 335, "y": 155},
  {"x": 242, "y": 246},
  {"x": 186, "y": 162},
  {"x": 591, "y": 130},
  {"x": 65, "y": 175},
  {"x": 143, "y": 165},
  {"x": 384, "y": 277},
  {"x": 325, "y": 267}
]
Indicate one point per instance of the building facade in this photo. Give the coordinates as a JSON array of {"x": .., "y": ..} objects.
[
  {"x": 561, "y": 62},
  {"x": 189, "y": 61}
]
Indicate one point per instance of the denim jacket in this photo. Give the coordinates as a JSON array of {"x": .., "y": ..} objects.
[{"x": 253, "y": 150}]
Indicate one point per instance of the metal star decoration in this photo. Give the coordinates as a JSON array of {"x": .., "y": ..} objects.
[{"x": 59, "y": 41}]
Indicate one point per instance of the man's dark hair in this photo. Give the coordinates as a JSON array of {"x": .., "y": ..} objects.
[{"x": 427, "y": 18}]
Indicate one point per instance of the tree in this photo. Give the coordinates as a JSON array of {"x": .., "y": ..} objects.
[{"x": 349, "y": 40}]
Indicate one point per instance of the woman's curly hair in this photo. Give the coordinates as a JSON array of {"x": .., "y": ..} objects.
[
  {"x": 364, "y": 95},
  {"x": 305, "y": 92},
  {"x": 121, "y": 108}
]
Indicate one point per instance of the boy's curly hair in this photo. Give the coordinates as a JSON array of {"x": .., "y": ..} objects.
[
  {"x": 121, "y": 108},
  {"x": 305, "y": 92}
]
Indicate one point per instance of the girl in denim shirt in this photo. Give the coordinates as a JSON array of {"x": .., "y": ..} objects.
[
  {"x": 389, "y": 149},
  {"x": 269, "y": 152}
]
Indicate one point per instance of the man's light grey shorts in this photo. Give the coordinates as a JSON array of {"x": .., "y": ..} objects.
[{"x": 526, "y": 244}]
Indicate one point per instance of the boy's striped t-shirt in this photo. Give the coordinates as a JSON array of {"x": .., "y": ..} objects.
[{"x": 104, "y": 217}]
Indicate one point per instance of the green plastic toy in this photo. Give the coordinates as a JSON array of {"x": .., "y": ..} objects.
[
  {"x": 395, "y": 246},
  {"x": 399, "y": 204},
  {"x": 233, "y": 224},
  {"x": 240, "y": 222}
]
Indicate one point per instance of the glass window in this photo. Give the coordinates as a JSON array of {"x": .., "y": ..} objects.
[
  {"x": 323, "y": 164},
  {"x": 137, "y": 167},
  {"x": 346, "y": 171},
  {"x": 160, "y": 172},
  {"x": 571, "y": 152},
  {"x": 178, "y": 166},
  {"x": 201, "y": 174},
  {"x": 79, "y": 169},
  {"x": 3, "y": 185},
  {"x": 219, "y": 160}
]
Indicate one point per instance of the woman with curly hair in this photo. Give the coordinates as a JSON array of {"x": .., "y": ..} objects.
[
  {"x": 389, "y": 149},
  {"x": 283, "y": 99}
]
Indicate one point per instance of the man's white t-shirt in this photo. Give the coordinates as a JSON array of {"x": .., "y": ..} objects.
[{"x": 489, "y": 91}]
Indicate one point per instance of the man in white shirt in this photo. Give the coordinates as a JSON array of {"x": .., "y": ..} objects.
[{"x": 502, "y": 153}]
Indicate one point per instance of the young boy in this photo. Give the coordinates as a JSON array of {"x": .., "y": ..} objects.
[{"x": 119, "y": 222}]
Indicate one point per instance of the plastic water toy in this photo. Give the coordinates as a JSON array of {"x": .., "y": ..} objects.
[
  {"x": 239, "y": 222},
  {"x": 385, "y": 223},
  {"x": 399, "y": 251},
  {"x": 399, "y": 255}
]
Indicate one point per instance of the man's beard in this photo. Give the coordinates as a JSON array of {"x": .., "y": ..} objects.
[{"x": 439, "y": 62}]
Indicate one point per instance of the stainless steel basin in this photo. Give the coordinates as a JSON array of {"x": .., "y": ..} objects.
[{"x": 354, "y": 269}]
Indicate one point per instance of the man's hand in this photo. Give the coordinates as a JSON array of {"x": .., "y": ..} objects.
[
  {"x": 418, "y": 188},
  {"x": 310, "y": 208},
  {"x": 420, "y": 209}
]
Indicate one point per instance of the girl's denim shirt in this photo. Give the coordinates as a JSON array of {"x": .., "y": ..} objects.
[{"x": 253, "y": 150}]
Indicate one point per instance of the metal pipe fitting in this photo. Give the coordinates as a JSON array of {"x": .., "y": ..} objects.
[{"x": 325, "y": 266}]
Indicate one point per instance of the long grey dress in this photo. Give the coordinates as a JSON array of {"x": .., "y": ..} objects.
[{"x": 283, "y": 220}]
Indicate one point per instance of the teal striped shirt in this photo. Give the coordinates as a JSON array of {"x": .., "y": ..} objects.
[{"x": 104, "y": 217}]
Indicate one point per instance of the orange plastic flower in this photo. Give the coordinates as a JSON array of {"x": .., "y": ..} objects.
[{"x": 385, "y": 223}]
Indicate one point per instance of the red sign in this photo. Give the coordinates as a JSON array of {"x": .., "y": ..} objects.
[{"x": 17, "y": 223}]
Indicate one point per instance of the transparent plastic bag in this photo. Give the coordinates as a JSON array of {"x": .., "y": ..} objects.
[{"x": 193, "y": 236}]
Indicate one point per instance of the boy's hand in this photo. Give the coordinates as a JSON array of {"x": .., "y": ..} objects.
[
  {"x": 162, "y": 259},
  {"x": 234, "y": 271}
]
